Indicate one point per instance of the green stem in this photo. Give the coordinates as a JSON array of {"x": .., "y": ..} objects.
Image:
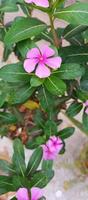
[{"x": 57, "y": 42}]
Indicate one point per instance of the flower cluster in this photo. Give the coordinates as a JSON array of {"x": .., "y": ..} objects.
[
  {"x": 41, "y": 60},
  {"x": 86, "y": 104},
  {"x": 42, "y": 3},
  {"x": 22, "y": 194},
  {"x": 52, "y": 148}
]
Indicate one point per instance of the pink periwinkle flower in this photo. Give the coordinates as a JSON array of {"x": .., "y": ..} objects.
[
  {"x": 42, "y": 3},
  {"x": 86, "y": 111},
  {"x": 86, "y": 105},
  {"x": 22, "y": 194},
  {"x": 52, "y": 148},
  {"x": 42, "y": 61}
]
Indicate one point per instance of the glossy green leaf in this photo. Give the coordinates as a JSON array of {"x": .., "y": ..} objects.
[
  {"x": 76, "y": 13},
  {"x": 7, "y": 118},
  {"x": 6, "y": 184},
  {"x": 74, "y": 109},
  {"x": 22, "y": 29},
  {"x": 14, "y": 73},
  {"x": 34, "y": 161},
  {"x": 70, "y": 71},
  {"x": 50, "y": 128},
  {"x": 55, "y": 86},
  {"x": 41, "y": 178},
  {"x": 66, "y": 133},
  {"x": 75, "y": 54},
  {"x": 19, "y": 157},
  {"x": 47, "y": 165},
  {"x": 85, "y": 121}
]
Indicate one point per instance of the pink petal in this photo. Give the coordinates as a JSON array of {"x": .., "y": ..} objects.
[
  {"x": 33, "y": 53},
  {"x": 54, "y": 62},
  {"x": 42, "y": 71},
  {"x": 29, "y": 65},
  {"x": 47, "y": 51},
  {"x": 86, "y": 111},
  {"x": 42, "y": 3},
  {"x": 36, "y": 193},
  {"x": 22, "y": 194},
  {"x": 47, "y": 155},
  {"x": 28, "y": 1},
  {"x": 86, "y": 103}
]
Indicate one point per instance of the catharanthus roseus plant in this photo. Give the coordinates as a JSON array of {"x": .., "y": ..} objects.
[{"x": 50, "y": 76}]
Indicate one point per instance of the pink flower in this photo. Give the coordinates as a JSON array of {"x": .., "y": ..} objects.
[
  {"x": 52, "y": 148},
  {"x": 42, "y": 3},
  {"x": 86, "y": 103},
  {"x": 86, "y": 111},
  {"x": 41, "y": 60},
  {"x": 22, "y": 194}
]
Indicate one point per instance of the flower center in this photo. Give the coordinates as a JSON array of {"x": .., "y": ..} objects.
[{"x": 41, "y": 58}]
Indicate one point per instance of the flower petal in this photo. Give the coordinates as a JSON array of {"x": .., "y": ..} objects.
[
  {"x": 86, "y": 111},
  {"x": 47, "y": 51},
  {"x": 42, "y": 71},
  {"x": 29, "y": 65},
  {"x": 36, "y": 193},
  {"x": 54, "y": 62},
  {"x": 22, "y": 194},
  {"x": 29, "y": 1},
  {"x": 86, "y": 103},
  {"x": 42, "y": 3},
  {"x": 33, "y": 53}
]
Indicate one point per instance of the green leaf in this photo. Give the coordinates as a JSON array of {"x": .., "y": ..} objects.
[
  {"x": 35, "y": 142},
  {"x": 34, "y": 161},
  {"x": 19, "y": 158},
  {"x": 35, "y": 81},
  {"x": 7, "y": 118},
  {"x": 24, "y": 46},
  {"x": 41, "y": 178},
  {"x": 6, "y": 184},
  {"x": 70, "y": 71},
  {"x": 50, "y": 128},
  {"x": 47, "y": 165},
  {"x": 74, "y": 14},
  {"x": 74, "y": 109},
  {"x": 55, "y": 86},
  {"x": 8, "y": 6},
  {"x": 5, "y": 166},
  {"x": 20, "y": 182},
  {"x": 23, "y": 28},
  {"x": 2, "y": 34},
  {"x": 85, "y": 121},
  {"x": 20, "y": 94},
  {"x": 46, "y": 99},
  {"x": 66, "y": 133},
  {"x": 82, "y": 95},
  {"x": 74, "y": 53},
  {"x": 71, "y": 31},
  {"x": 14, "y": 73}
]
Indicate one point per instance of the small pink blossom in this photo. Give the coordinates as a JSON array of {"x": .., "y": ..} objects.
[
  {"x": 42, "y": 3},
  {"x": 52, "y": 148},
  {"x": 86, "y": 103},
  {"x": 42, "y": 61},
  {"x": 86, "y": 111},
  {"x": 22, "y": 194}
]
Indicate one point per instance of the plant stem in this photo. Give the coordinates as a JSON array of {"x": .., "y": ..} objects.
[{"x": 57, "y": 41}]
